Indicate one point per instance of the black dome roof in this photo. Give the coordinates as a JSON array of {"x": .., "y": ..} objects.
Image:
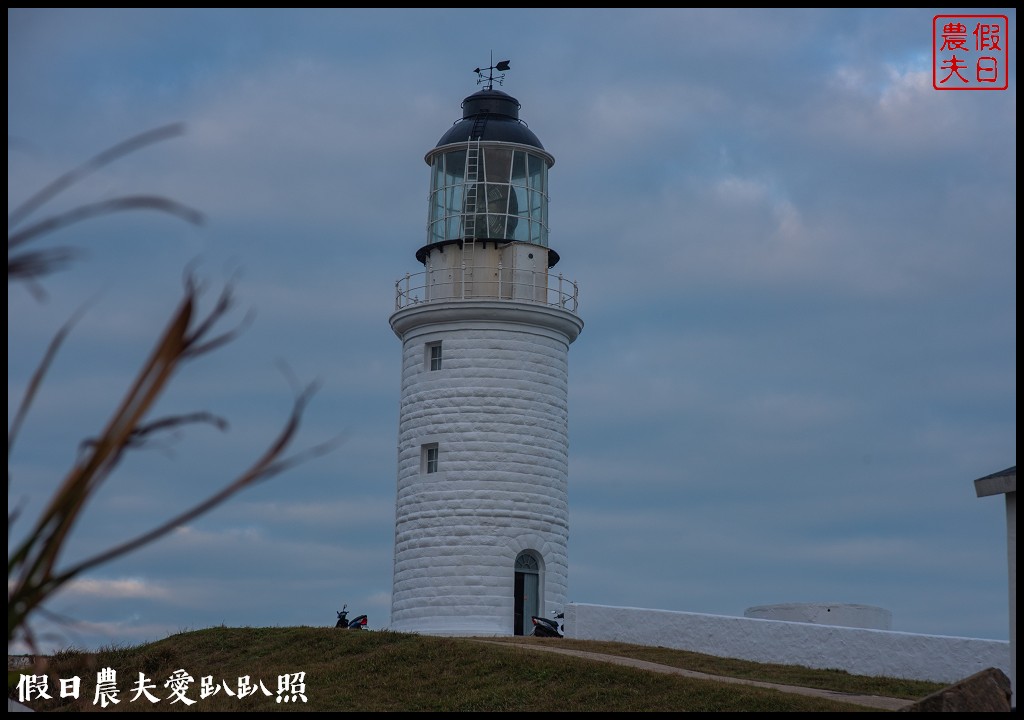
[{"x": 493, "y": 116}]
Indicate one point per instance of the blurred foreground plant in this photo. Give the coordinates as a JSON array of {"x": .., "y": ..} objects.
[{"x": 34, "y": 572}]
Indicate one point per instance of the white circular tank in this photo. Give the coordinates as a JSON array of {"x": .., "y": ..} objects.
[{"x": 841, "y": 614}]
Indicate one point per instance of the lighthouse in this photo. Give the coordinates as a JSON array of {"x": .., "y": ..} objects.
[{"x": 485, "y": 322}]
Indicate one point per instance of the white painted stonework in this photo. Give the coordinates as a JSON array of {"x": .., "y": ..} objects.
[
  {"x": 497, "y": 410},
  {"x": 859, "y": 651}
]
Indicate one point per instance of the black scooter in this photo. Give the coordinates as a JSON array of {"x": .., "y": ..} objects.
[
  {"x": 542, "y": 627},
  {"x": 357, "y": 623}
]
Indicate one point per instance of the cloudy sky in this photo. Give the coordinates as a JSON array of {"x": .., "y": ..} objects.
[{"x": 797, "y": 271}]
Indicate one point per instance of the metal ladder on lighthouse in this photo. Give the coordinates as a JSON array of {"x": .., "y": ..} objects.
[{"x": 471, "y": 204}]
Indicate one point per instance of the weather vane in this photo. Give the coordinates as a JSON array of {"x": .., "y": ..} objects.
[{"x": 490, "y": 77}]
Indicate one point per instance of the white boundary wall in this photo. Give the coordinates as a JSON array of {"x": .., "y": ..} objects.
[{"x": 859, "y": 651}]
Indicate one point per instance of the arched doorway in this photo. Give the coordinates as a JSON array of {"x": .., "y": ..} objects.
[{"x": 527, "y": 592}]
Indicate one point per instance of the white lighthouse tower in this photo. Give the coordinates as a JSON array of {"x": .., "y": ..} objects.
[{"x": 481, "y": 511}]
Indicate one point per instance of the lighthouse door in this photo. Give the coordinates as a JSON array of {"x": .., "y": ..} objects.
[
  {"x": 527, "y": 593},
  {"x": 529, "y": 273}
]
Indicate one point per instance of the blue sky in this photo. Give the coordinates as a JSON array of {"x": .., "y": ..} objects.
[{"x": 797, "y": 270}]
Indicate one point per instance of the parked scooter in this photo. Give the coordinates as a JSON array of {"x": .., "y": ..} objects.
[
  {"x": 542, "y": 627},
  {"x": 357, "y": 623}
]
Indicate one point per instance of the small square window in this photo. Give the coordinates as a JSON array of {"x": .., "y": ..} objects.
[
  {"x": 429, "y": 458},
  {"x": 434, "y": 355}
]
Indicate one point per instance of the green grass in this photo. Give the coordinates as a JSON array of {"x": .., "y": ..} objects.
[{"x": 386, "y": 671}]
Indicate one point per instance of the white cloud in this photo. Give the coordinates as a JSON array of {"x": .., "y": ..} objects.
[
  {"x": 342, "y": 512},
  {"x": 117, "y": 588}
]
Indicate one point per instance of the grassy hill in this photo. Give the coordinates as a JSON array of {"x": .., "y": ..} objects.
[{"x": 387, "y": 671}]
